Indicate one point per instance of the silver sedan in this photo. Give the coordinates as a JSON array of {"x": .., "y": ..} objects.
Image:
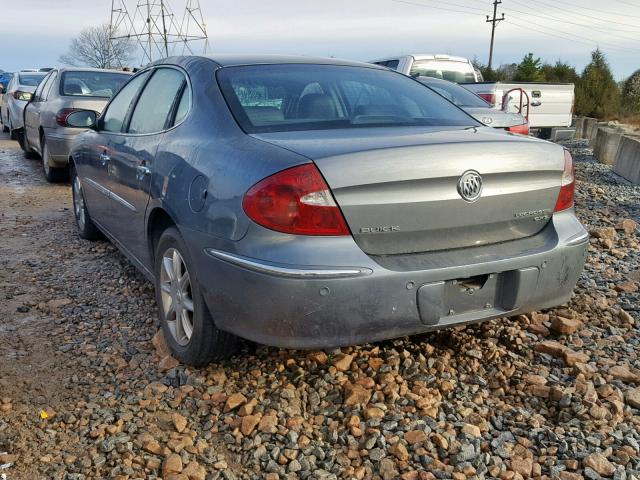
[
  {"x": 64, "y": 91},
  {"x": 17, "y": 93}
]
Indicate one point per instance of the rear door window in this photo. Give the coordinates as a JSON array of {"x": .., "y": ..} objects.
[
  {"x": 90, "y": 83},
  {"x": 155, "y": 104}
]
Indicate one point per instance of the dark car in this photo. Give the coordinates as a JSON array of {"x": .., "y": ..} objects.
[{"x": 314, "y": 203}]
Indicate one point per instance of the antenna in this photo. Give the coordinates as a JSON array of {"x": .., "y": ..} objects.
[{"x": 156, "y": 30}]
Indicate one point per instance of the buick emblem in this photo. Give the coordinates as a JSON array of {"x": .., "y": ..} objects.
[{"x": 470, "y": 186}]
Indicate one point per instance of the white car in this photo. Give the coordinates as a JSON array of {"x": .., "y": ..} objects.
[{"x": 15, "y": 98}]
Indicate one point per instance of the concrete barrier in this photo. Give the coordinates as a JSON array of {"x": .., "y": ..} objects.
[
  {"x": 593, "y": 134},
  {"x": 607, "y": 140},
  {"x": 588, "y": 125},
  {"x": 628, "y": 158},
  {"x": 578, "y": 124},
  {"x": 559, "y": 134}
]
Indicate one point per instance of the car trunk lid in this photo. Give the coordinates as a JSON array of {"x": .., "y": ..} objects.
[{"x": 398, "y": 188}]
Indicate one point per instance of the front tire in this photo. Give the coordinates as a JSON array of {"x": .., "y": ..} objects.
[
  {"x": 52, "y": 174},
  {"x": 86, "y": 228},
  {"x": 188, "y": 327}
]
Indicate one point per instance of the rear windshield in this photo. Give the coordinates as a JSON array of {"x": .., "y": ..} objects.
[
  {"x": 277, "y": 98},
  {"x": 458, "y": 72},
  {"x": 456, "y": 94},
  {"x": 92, "y": 84},
  {"x": 30, "y": 79}
]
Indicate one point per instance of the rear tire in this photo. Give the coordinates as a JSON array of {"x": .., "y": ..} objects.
[
  {"x": 52, "y": 174},
  {"x": 12, "y": 132},
  {"x": 188, "y": 327},
  {"x": 22, "y": 141},
  {"x": 86, "y": 228}
]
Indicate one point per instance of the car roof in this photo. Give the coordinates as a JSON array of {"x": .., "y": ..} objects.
[
  {"x": 231, "y": 59},
  {"x": 89, "y": 69}
]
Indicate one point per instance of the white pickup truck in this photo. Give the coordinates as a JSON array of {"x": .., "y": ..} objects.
[
  {"x": 549, "y": 104},
  {"x": 446, "y": 67}
]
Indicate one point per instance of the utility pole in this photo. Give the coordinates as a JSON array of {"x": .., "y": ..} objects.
[{"x": 493, "y": 21}]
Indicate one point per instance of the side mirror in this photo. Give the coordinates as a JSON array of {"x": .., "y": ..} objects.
[{"x": 82, "y": 119}]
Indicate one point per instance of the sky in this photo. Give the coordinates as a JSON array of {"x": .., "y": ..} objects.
[{"x": 33, "y": 33}]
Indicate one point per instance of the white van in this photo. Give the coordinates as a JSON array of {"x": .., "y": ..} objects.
[{"x": 446, "y": 67}]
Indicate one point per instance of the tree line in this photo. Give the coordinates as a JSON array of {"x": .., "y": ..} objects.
[{"x": 597, "y": 93}]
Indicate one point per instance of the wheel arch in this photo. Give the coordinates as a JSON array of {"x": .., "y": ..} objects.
[{"x": 159, "y": 219}]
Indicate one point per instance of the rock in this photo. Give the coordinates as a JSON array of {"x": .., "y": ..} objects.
[
  {"x": 159, "y": 343},
  {"x": 319, "y": 357},
  {"x": 627, "y": 287},
  {"x": 399, "y": 451},
  {"x": 521, "y": 465},
  {"x": 600, "y": 464},
  {"x": 471, "y": 430},
  {"x": 633, "y": 397},
  {"x": 572, "y": 358},
  {"x": 195, "y": 471},
  {"x": 605, "y": 233},
  {"x": 249, "y": 423},
  {"x": 179, "y": 422},
  {"x": 172, "y": 464},
  {"x": 373, "y": 412},
  {"x": 564, "y": 475},
  {"x": 167, "y": 363},
  {"x": 343, "y": 362},
  {"x": 627, "y": 225},
  {"x": 565, "y": 326},
  {"x": 413, "y": 437},
  {"x": 622, "y": 373},
  {"x": 552, "y": 348},
  {"x": 388, "y": 469},
  {"x": 356, "y": 395},
  {"x": 234, "y": 401},
  {"x": 152, "y": 446},
  {"x": 268, "y": 424}
]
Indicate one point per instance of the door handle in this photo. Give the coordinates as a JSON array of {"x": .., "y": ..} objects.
[
  {"x": 141, "y": 172},
  {"x": 104, "y": 159},
  {"x": 536, "y": 103}
]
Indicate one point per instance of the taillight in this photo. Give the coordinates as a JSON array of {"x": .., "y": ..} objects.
[
  {"x": 296, "y": 200},
  {"x": 490, "y": 98},
  {"x": 568, "y": 187},
  {"x": 62, "y": 115},
  {"x": 519, "y": 129},
  {"x": 20, "y": 95}
]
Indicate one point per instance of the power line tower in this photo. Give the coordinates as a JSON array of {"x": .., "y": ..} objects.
[
  {"x": 156, "y": 30},
  {"x": 494, "y": 22}
]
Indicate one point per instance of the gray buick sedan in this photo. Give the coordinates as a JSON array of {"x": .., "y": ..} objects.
[{"x": 312, "y": 203}]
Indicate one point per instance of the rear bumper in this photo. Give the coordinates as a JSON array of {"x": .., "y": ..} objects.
[
  {"x": 60, "y": 144},
  {"x": 315, "y": 307}
]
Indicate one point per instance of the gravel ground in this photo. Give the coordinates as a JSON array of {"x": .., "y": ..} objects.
[{"x": 87, "y": 390}]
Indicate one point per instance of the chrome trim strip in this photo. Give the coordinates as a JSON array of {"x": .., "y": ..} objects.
[
  {"x": 108, "y": 193},
  {"x": 123, "y": 202},
  {"x": 577, "y": 239},
  {"x": 288, "y": 271},
  {"x": 97, "y": 186}
]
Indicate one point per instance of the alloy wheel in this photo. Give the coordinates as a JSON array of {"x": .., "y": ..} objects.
[
  {"x": 176, "y": 296},
  {"x": 78, "y": 202}
]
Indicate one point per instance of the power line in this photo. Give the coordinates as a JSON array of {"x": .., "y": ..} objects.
[
  {"x": 494, "y": 22},
  {"x": 603, "y": 12},
  {"x": 565, "y": 21},
  {"x": 564, "y": 34},
  {"x": 600, "y": 19}
]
